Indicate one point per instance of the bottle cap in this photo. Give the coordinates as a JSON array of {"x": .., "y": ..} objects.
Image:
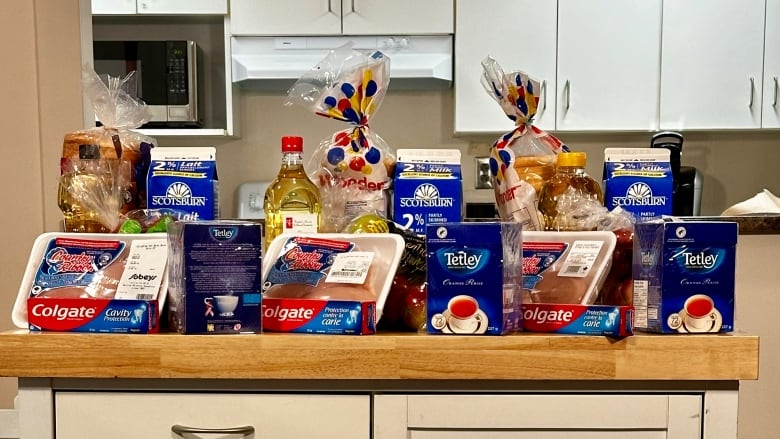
[
  {"x": 292, "y": 144},
  {"x": 572, "y": 159}
]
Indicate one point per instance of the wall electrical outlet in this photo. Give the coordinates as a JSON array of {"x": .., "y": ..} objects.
[{"x": 482, "y": 173}]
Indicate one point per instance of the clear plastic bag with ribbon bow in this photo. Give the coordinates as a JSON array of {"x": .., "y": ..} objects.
[
  {"x": 524, "y": 158},
  {"x": 119, "y": 113},
  {"x": 354, "y": 167}
]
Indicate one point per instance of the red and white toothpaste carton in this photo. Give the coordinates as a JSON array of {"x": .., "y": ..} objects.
[{"x": 614, "y": 321}]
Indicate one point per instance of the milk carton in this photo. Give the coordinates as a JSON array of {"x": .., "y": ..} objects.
[
  {"x": 639, "y": 180},
  {"x": 214, "y": 276},
  {"x": 185, "y": 180},
  {"x": 427, "y": 188},
  {"x": 684, "y": 276},
  {"x": 474, "y": 278}
]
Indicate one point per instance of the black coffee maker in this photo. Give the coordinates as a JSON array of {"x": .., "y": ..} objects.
[{"x": 687, "y": 182}]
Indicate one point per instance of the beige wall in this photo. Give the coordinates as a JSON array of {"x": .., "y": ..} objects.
[
  {"x": 42, "y": 101},
  {"x": 39, "y": 85}
]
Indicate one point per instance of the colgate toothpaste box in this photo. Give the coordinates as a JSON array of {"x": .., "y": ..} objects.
[
  {"x": 684, "y": 276},
  {"x": 614, "y": 321},
  {"x": 427, "y": 188},
  {"x": 474, "y": 277},
  {"x": 319, "y": 316},
  {"x": 93, "y": 315},
  {"x": 215, "y": 276}
]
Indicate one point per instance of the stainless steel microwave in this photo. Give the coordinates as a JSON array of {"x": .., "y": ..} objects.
[{"x": 166, "y": 74}]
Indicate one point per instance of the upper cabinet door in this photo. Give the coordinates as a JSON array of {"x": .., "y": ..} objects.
[
  {"x": 771, "y": 109},
  {"x": 113, "y": 7},
  {"x": 481, "y": 31},
  {"x": 288, "y": 17},
  {"x": 608, "y": 64},
  {"x": 393, "y": 17},
  {"x": 188, "y": 7},
  {"x": 711, "y": 75}
]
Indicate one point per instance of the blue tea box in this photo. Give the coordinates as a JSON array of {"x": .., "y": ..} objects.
[
  {"x": 684, "y": 276},
  {"x": 427, "y": 188},
  {"x": 214, "y": 276},
  {"x": 639, "y": 180},
  {"x": 474, "y": 277}
]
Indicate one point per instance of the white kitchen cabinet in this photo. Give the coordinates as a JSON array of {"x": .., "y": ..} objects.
[
  {"x": 159, "y": 7},
  {"x": 490, "y": 28},
  {"x": 598, "y": 70},
  {"x": 711, "y": 74},
  {"x": 131, "y": 415},
  {"x": 770, "y": 114},
  {"x": 341, "y": 17},
  {"x": 545, "y": 416},
  {"x": 608, "y": 63}
]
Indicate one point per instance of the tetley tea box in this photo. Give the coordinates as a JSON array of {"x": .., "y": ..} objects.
[
  {"x": 474, "y": 277},
  {"x": 427, "y": 188},
  {"x": 684, "y": 276}
]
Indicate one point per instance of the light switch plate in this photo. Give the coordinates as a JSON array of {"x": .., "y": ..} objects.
[
  {"x": 482, "y": 173},
  {"x": 250, "y": 200}
]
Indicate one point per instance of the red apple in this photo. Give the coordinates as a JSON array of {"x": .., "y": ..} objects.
[{"x": 415, "y": 312}]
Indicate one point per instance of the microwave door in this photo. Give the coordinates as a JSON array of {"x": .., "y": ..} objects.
[
  {"x": 182, "y": 81},
  {"x": 152, "y": 81}
]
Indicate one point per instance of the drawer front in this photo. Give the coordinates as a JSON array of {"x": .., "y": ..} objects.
[
  {"x": 539, "y": 411},
  {"x": 120, "y": 415},
  {"x": 536, "y": 434}
]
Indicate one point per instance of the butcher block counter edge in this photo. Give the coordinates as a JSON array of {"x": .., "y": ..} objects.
[{"x": 382, "y": 356}]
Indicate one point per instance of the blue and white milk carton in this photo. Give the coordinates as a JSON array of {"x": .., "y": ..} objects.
[
  {"x": 184, "y": 180},
  {"x": 214, "y": 276},
  {"x": 474, "y": 277},
  {"x": 684, "y": 276},
  {"x": 639, "y": 180},
  {"x": 427, "y": 188}
]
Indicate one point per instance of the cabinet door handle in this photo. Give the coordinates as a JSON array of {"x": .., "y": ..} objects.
[
  {"x": 752, "y": 92},
  {"x": 544, "y": 94},
  {"x": 330, "y": 7},
  {"x": 774, "y": 102},
  {"x": 567, "y": 89},
  {"x": 353, "y": 6},
  {"x": 181, "y": 430}
]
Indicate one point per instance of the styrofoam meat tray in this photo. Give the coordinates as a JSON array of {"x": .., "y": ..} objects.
[
  {"x": 19, "y": 312},
  {"x": 387, "y": 249}
]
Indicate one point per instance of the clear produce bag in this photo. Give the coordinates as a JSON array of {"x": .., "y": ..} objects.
[
  {"x": 354, "y": 167},
  {"x": 524, "y": 158},
  {"x": 119, "y": 113}
]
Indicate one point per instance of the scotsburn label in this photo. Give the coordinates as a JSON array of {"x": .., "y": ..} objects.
[{"x": 427, "y": 188}]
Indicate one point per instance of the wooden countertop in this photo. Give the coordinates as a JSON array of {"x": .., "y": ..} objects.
[{"x": 380, "y": 356}]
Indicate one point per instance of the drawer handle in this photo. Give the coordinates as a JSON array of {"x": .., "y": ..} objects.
[
  {"x": 181, "y": 430},
  {"x": 752, "y": 92}
]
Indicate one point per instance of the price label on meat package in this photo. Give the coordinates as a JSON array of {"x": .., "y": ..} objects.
[
  {"x": 350, "y": 268},
  {"x": 581, "y": 258},
  {"x": 144, "y": 270}
]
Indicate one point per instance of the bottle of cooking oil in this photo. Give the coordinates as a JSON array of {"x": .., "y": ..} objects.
[
  {"x": 570, "y": 195},
  {"x": 292, "y": 202}
]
